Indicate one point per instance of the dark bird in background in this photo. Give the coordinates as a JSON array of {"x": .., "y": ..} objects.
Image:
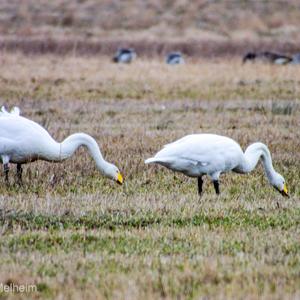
[
  {"x": 174, "y": 58},
  {"x": 267, "y": 57},
  {"x": 124, "y": 55},
  {"x": 296, "y": 59}
]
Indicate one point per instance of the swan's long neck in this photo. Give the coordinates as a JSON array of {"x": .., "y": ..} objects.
[
  {"x": 74, "y": 141},
  {"x": 252, "y": 155}
]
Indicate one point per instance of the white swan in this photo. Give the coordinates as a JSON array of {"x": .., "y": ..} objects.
[
  {"x": 23, "y": 141},
  {"x": 199, "y": 154}
]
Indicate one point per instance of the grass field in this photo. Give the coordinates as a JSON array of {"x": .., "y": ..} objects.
[{"x": 78, "y": 235}]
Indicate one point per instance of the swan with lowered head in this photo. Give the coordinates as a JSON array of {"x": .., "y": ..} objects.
[
  {"x": 196, "y": 155},
  {"x": 23, "y": 141}
]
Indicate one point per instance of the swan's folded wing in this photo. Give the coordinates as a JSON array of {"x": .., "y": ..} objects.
[
  {"x": 185, "y": 150},
  {"x": 180, "y": 153},
  {"x": 196, "y": 161},
  {"x": 181, "y": 164},
  {"x": 7, "y": 145}
]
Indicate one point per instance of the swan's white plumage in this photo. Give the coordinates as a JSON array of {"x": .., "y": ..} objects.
[
  {"x": 23, "y": 140},
  {"x": 198, "y": 154},
  {"x": 15, "y": 111},
  {"x": 209, "y": 154}
]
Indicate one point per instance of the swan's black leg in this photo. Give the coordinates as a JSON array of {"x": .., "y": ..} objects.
[
  {"x": 216, "y": 186},
  {"x": 6, "y": 170},
  {"x": 200, "y": 183},
  {"x": 19, "y": 173}
]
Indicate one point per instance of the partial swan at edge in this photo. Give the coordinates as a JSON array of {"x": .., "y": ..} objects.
[{"x": 23, "y": 141}]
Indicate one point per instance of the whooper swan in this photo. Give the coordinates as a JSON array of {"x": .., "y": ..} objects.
[
  {"x": 209, "y": 154},
  {"x": 23, "y": 141}
]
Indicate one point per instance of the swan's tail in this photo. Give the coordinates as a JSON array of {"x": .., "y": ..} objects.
[{"x": 150, "y": 160}]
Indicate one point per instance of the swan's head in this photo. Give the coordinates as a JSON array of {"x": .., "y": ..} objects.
[
  {"x": 111, "y": 171},
  {"x": 279, "y": 184}
]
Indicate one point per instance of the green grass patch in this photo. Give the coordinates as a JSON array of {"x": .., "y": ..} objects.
[{"x": 283, "y": 219}]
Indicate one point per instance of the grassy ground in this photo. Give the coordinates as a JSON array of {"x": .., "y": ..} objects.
[
  {"x": 75, "y": 234},
  {"x": 165, "y": 19},
  {"x": 199, "y": 28}
]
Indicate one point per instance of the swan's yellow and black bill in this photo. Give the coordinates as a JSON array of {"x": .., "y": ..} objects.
[
  {"x": 120, "y": 178},
  {"x": 284, "y": 192}
]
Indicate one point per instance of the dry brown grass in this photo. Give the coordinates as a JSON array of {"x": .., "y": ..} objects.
[
  {"x": 92, "y": 19},
  {"x": 145, "y": 47},
  {"x": 76, "y": 234},
  {"x": 198, "y": 28}
]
